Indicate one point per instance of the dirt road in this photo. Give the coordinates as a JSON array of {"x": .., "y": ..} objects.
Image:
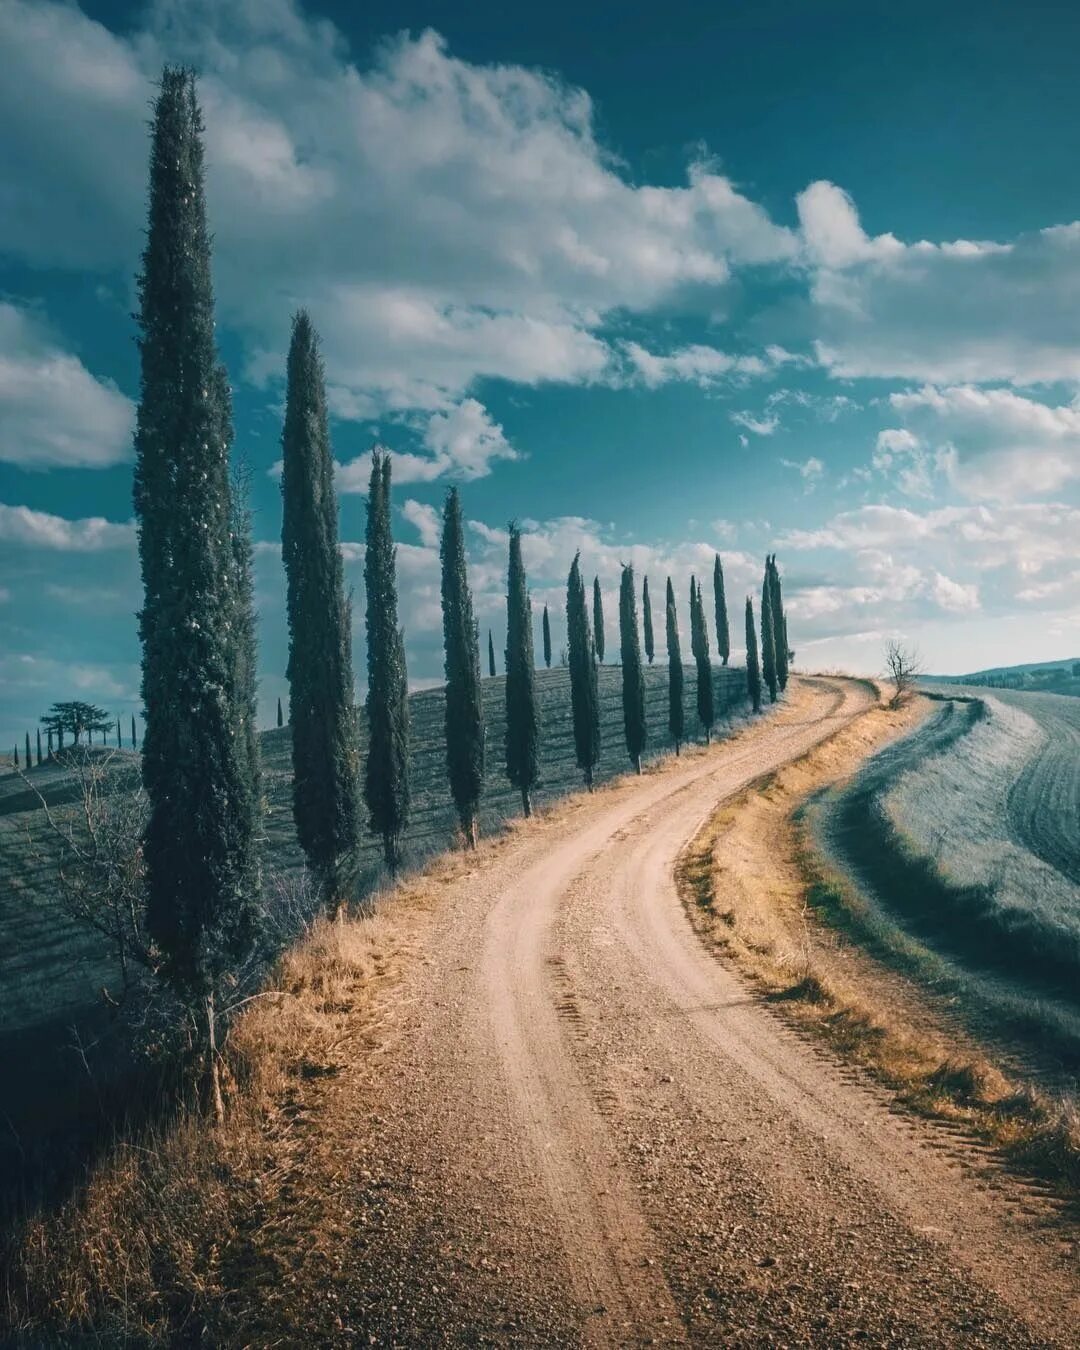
[{"x": 585, "y": 1130}]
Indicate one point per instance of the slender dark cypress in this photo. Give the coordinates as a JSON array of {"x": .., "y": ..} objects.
[
  {"x": 245, "y": 656},
  {"x": 464, "y": 713},
  {"x": 522, "y": 728},
  {"x": 119, "y": 740},
  {"x": 27, "y": 757},
  {"x": 491, "y": 655},
  {"x": 16, "y": 754},
  {"x": 753, "y": 668},
  {"x": 633, "y": 681},
  {"x": 779, "y": 624},
  {"x": 547, "y": 638},
  {"x": 768, "y": 638},
  {"x": 133, "y": 740},
  {"x": 584, "y": 691},
  {"x": 598, "y": 619},
  {"x": 322, "y": 713},
  {"x": 646, "y": 621},
  {"x": 199, "y": 845},
  {"x": 723, "y": 635},
  {"x": 386, "y": 773},
  {"x": 676, "y": 676},
  {"x": 699, "y": 640},
  {"x": 39, "y": 745}
]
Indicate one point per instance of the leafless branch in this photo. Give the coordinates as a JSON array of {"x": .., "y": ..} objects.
[{"x": 903, "y": 666}]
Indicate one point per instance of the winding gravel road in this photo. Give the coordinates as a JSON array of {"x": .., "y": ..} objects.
[{"x": 586, "y": 1130}]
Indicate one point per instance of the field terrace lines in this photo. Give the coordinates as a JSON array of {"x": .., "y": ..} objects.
[{"x": 1044, "y": 802}]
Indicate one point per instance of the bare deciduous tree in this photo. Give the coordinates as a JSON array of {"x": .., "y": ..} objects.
[
  {"x": 903, "y": 666},
  {"x": 97, "y": 855}
]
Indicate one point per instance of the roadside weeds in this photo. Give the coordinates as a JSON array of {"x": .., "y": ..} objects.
[{"x": 756, "y": 889}]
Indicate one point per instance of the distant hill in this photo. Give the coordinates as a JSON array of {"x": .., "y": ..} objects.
[{"x": 1047, "y": 677}]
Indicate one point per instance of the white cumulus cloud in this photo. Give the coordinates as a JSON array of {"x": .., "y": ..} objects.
[{"x": 53, "y": 411}]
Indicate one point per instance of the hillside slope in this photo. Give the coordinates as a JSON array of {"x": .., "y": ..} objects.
[
  {"x": 54, "y": 1025},
  {"x": 965, "y": 836}
]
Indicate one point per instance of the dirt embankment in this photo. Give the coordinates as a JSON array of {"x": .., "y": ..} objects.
[{"x": 557, "y": 1118}]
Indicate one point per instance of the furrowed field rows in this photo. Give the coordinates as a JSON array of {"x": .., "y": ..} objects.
[
  {"x": 965, "y": 836},
  {"x": 1044, "y": 802},
  {"x": 49, "y": 968}
]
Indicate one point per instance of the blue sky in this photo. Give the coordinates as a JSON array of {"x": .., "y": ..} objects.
[{"x": 658, "y": 283}]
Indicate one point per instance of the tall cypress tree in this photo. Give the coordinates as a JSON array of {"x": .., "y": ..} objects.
[
  {"x": 522, "y": 728},
  {"x": 133, "y": 742},
  {"x": 547, "y": 638},
  {"x": 119, "y": 741},
  {"x": 464, "y": 713},
  {"x": 779, "y": 623},
  {"x": 699, "y": 641},
  {"x": 646, "y": 621},
  {"x": 584, "y": 690},
  {"x": 491, "y": 655},
  {"x": 27, "y": 757},
  {"x": 325, "y": 741},
  {"x": 598, "y": 619},
  {"x": 676, "y": 713},
  {"x": 768, "y": 638},
  {"x": 386, "y": 773},
  {"x": 723, "y": 635},
  {"x": 753, "y": 669},
  {"x": 244, "y": 690},
  {"x": 633, "y": 681},
  {"x": 201, "y": 870},
  {"x": 39, "y": 745}
]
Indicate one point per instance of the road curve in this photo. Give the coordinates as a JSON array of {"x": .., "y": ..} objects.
[{"x": 592, "y": 1133}]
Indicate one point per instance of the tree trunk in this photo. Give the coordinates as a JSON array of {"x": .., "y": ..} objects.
[
  {"x": 392, "y": 848},
  {"x": 526, "y": 804},
  {"x": 470, "y": 830},
  {"x": 677, "y": 749},
  {"x": 637, "y": 764},
  {"x": 588, "y": 779},
  {"x": 217, "y": 1102}
]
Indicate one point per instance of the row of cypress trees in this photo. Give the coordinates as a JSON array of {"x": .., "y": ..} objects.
[
  {"x": 723, "y": 637},
  {"x": 200, "y": 762},
  {"x": 773, "y": 664}
]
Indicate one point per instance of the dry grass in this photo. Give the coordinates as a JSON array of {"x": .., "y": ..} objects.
[
  {"x": 193, "y": 1235},
  {"x": 168, "y": 1226},
  {"x": 755, "y": 888}
]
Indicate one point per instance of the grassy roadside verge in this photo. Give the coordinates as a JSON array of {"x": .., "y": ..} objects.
[
  {"x": 172, "y": 1235},
  {"x": 189, "y": 1235},
  {"x": 756, "y": 889}
]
